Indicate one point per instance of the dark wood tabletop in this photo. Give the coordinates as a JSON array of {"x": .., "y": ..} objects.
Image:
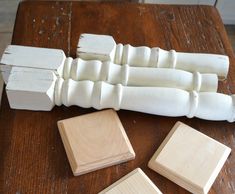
[{"x": 32, "y": 156}]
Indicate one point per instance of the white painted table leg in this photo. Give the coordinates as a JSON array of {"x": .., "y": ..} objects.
[
  {"x": 31, "y": 57},
  {"x": 41, "y": 90},
  {"x": 89, "y": 47},
  {"x": 78, "y": 69},
  {"x": 140, "y": 76}
]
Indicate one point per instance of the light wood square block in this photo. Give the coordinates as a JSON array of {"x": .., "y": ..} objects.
[
  {"x": 189, "y": 158},
  {"x": 94, "y": 141},
  {"x": 136, "y": 182}
]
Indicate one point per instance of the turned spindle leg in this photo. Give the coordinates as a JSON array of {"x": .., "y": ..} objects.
[
  {"x": 78, "y": 69},
  {"x": 153, "y": 100},
  {"x": 36, "y": 89},
  {"x": 126, "y": 75},
  {"x": 149, "y": 57}
]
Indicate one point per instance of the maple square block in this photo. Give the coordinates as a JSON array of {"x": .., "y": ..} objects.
[
  {"x": 189, "y": 158},
  {"x": 94, "y": 141}
]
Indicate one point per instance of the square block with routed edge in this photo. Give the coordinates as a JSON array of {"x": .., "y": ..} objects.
[
  {"x": 189, "y": 158},
  {"x": 94, "y": 141},
  {"x": 136, "y": 182}
]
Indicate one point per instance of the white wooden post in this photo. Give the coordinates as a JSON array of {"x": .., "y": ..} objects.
[
  {"x": 104, "y": 48},
  {"x": 33, "y": 57},
  {"x": 41, "y": 90},
  {"x": 94, "y": 70}
]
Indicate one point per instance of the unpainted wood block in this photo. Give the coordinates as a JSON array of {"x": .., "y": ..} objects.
[
  {"x": 189, "y": 158},
  {"x": 136, "y": 182},
  {"x": 94, "y": 141}
]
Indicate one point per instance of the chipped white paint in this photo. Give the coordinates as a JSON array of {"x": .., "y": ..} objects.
[
  {"x": 104, "y": 48},
  {"x": 29, "y": 88},
  {"x": 33, "y": 57}
]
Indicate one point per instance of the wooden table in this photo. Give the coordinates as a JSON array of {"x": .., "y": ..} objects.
[{"x": 33, "y": 158}]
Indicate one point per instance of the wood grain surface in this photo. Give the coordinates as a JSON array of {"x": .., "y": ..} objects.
[
  {"x": 95, "y": 141},
  {"x": 33, "y": 159},
  {"x": 135, "y": 182},
  {"x": 189, "y": 158}
]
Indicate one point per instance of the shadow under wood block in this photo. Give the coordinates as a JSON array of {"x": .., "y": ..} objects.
[
  {"x": 94, "y": 141},
  {"x": 189, "y": 158}
]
